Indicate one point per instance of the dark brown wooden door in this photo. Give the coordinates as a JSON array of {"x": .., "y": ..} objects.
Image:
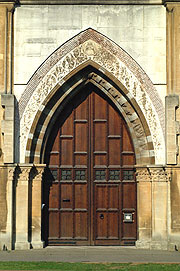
[{"x": 92, "y": 197}]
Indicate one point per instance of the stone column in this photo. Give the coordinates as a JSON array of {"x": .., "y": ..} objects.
[
  {"x": 173, "y": 65},
  {"x": 6, "y": 80},
  {"x": 160, "y": 194},
  {"x": 173, "y": 46},
  {"x": 173, "y": 89},
  {"x": 22, "y": 208},
  {"x": 153, "y": 202},
  {"x": 6, "y": 202},
  {"x": 6, "y": 45},
  {"x": 144, "y": 207},
  {"x": 36, "y": 178},
  {"x": 174, "y": 213}
]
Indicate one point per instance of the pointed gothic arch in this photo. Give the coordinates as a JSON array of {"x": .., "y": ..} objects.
[{"x": 114, "y": 72}]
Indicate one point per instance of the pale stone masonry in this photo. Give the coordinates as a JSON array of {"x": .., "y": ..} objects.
[{"x": 133, "y": 49}]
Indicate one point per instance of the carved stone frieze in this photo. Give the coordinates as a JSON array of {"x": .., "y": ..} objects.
[
  {"x": 143, "y": 175},
  {"x": 158, "y": 174},
  {"x": 153, "y": 174},
  {"x": 91, "y": 50}
]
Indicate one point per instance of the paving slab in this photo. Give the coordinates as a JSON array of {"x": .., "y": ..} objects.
[{"x": 92, "y": 254}]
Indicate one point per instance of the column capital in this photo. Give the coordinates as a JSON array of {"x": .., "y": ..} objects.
[
  {"x": 142, "y": 174},
  {"x": 153, "y": 173},
  {"x": 171, "y": 2},
  {"x": 37, "y": 171},
  {"x": 23, "y": 171},
  {"x": 158, "y": 174},
  {"x": 10, "y": 5}
]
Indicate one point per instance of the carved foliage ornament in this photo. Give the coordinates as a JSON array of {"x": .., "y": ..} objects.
[
  {"x": 90, "y": 50},
  {"x": 36, "y": 174},
  {"x": 142, "y": 175},
  {"x": 148, "y": 174}
]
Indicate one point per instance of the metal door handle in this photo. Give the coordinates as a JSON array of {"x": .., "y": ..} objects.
[{"x": 101, "y": 216}]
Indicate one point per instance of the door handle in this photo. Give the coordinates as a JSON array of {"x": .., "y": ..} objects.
[{"x": 101, "y": 216}]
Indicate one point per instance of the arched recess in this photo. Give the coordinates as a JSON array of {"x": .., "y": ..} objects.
[
  {"x": 54, "y": 103},
  {"x": 91, "y": 57}
]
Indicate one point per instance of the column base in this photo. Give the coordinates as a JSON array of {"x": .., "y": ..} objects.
[
  {"x": 37, "y": 244},
  {"x": 159, "y": 245},
  {"x": 144, "y": 244},
  {"x": 153, "y": 245},
  {"x": 22, "y": 245}
]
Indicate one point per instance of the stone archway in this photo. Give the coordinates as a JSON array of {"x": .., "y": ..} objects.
[
  {"x": 91, "y": 57},
  {"x": 54, "y": 72},
  {"x": 90, "y": 72}
]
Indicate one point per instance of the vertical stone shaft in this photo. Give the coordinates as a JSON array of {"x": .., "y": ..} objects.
[
  {"x": 22, "y": 198},
  {"x": 36, "y": 206},
  {"x": 6, "y": 204},
  {"x": 173, "y": 47}
]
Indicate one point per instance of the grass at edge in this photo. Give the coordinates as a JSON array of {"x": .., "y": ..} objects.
[{"x": 88, "y": 266}]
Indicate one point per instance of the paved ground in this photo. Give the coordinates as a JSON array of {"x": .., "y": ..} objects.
[{"x": 92, "y": 254}]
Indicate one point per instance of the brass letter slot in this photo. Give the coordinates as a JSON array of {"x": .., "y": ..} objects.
[{"x": 66, "y": 200}]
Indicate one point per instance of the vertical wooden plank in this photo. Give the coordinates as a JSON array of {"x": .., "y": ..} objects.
[
  {"x": 113, "y": 225},
  {"x": 114, "y": 151},
  {"x": 80, "y": 136},
  {"x": 81, "y": 196},
  {"x": 66, "y": 196},
  {"x": 66, "y": 225},
  {"x": 129, "y": 195},
  {"x": 114, "y": 121},
  {"x": 101, "y": 226},
  {"x": 54, "y": 224},
  {"x": 81, "y": 225},
  {"x": 66, "y": 152},
  {"x": 99, "y": 107},
  {"x": 113, "y": 196},
  {"x": 127, "y": 144},
  {"x": 54, "y": 196},
  {"x": 67, "y": 127}
]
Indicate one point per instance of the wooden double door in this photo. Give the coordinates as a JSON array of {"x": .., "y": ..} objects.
[{"x": 92, "y": 188}]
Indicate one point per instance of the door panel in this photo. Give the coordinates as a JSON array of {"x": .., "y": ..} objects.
[{"x": 92, "y": 184}]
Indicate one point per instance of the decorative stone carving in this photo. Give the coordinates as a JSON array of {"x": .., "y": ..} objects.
[
  {"x": 158, "y": 174},
  {"x": 143, "y": 175},
  {"x": 23, "y": 173},
  {"x": 91, "y": 50},
  {"x": 153, "y": 174},
  {"x": 11, "y": 173},
  {"x": 126, "y": 106},
  {"x": 36, "y": 173}
]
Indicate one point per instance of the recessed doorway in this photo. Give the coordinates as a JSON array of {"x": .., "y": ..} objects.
[{"x": 89, "y": 187}]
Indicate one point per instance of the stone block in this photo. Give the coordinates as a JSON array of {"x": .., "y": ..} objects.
[
  {"x": 7, "y": 124},
  {"x": 172, "y": 103}
]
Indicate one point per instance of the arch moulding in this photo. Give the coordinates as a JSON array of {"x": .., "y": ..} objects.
[{"x": 92, "y": 47}]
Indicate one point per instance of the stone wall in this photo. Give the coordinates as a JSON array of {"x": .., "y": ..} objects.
[
  {"x": 141, "y": 31},
  {"x": 138, "y": 29}
]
